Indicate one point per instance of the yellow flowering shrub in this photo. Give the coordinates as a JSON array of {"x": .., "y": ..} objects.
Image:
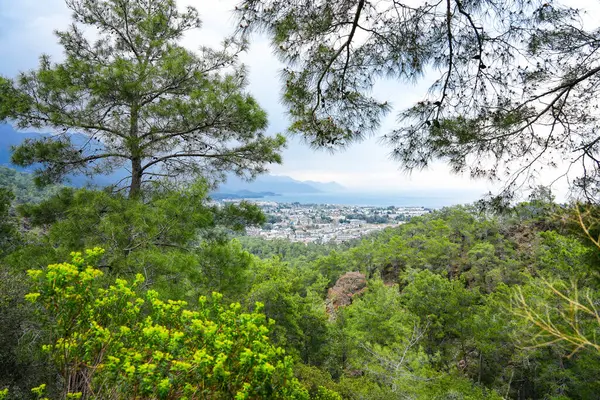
[{"x": 122, "y": 342}]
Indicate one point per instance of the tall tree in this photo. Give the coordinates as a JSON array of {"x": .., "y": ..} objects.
[
  {"x": 515, "y": 90},
  {"x": 140, "y": 100}
]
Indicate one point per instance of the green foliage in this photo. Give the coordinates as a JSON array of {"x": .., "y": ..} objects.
[
  {"x": 441, "y": 316},
  {"x": 9, "y": 236},
  {"x": 444, "y": 307},
  {"x": 560, "y": 312},
  {"x": 403, "y": 356},
  {"x": 294, "y": 300},
  {"x": 139, "y": 99},
  {"x": 317, "y": 381},
  {"x": 485, "y": 108},
  {"x": 488, "y": 267},
  {"x": 326, "y": 394},
  {"x": 157, "y": 235},
  {"x": 225, "y": 268},
  {"x": 565, "y": 257},
  {"x": 21, "y": 366},
  {"x": 460, "y": 303},
  {"x": 291, "y": 252},
  {"x": 437, "y": 319},
  {"x": 120, "y": 342},
  {"x": 23, "y": 187}
]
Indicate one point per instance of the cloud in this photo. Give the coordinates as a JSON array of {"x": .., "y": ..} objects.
[
  {"x": 27, "y": 32},
  {"x": 26, "y": 28}
]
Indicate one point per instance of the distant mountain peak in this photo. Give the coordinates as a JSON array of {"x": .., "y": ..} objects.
[
  {"x": 277, "y": 184},
  {"x": 331, "y": 186},
  {"x": 263, "y": 183}
]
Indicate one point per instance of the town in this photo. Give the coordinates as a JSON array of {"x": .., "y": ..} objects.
[{"x": 322, "y": 223}]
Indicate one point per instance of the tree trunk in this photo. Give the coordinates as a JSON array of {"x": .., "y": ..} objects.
[
  {"x": 136, "y": 177},
  {"x": 134, "y": 148}
]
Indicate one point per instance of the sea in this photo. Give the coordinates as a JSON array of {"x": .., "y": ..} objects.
[{"x": 430, "y": 199}]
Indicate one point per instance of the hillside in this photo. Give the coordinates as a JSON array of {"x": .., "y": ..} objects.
[
  {"x": 124, "y": 279},
  {"x": 22, "y": 186},
  {"x": 439, "y": 301},
  {"x": 453, "y": 294}
]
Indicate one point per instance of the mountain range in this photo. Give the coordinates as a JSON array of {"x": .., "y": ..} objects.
[{"x": 278, "y": 184}]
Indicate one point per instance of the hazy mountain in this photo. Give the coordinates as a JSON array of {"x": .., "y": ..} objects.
[
  {"x": 10, "y": 137},
  {"x": 278, "y": 184},
  {"x": 326, "y": 186},
  {"x": 264, "y": 183}
]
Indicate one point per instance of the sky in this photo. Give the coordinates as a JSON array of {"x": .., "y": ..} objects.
[{"x": 26, "y": 31}]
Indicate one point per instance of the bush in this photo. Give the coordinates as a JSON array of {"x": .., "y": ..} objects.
[{"x": 120, "y": 342}]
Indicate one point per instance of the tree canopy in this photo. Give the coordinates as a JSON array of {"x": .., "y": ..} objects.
[
  {"x": 140, "y": 100},
  {"x": 115, "y": 342},
  {"x": 515, "y": 89},
  {"x": 457, "y": 304},
  {"x": 463, "y": 302}
]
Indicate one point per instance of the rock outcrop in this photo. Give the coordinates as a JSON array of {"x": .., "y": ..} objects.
[{"x": 345, "y": 289}]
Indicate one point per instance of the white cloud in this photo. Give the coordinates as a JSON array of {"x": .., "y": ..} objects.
[
  {"x": 27, "y": 32},
  {"x": 26, "y": 28}
]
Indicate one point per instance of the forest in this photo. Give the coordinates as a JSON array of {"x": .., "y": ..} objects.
[
  {"x": 460, "y": 303},
  {"x": 148, "y": 289}
]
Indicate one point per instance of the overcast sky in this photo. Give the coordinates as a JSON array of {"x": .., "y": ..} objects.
[{"x": 26, "y": 31}]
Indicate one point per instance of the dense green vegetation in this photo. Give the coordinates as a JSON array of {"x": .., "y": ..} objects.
[
  {"x": 22, "y": 187},
  {"x": 441, "y": 314},
  {"x": 446, "y": 313},
  {"x": 148, "y": 290},
  {"x": 115, "y": 342}
]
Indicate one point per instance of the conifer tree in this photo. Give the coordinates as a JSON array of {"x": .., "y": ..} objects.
[
  {"x": 140, "y": 99},
  {"x": 514, "y": 89}
]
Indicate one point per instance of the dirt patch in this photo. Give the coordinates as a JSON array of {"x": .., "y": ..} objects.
[{"x": 345, "y": 289}]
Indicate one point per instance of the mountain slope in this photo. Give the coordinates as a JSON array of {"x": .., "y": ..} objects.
[
  {"x": 326, "y": 186},
  {"x": 265, "y": 183},
  {"x": 273, "y": 183},
  {"x": 10, "y": 137}
]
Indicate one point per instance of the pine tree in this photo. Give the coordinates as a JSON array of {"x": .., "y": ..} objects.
[
  {"x": 515, "y": 89},
  {"x": 140, "y": 100}
]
